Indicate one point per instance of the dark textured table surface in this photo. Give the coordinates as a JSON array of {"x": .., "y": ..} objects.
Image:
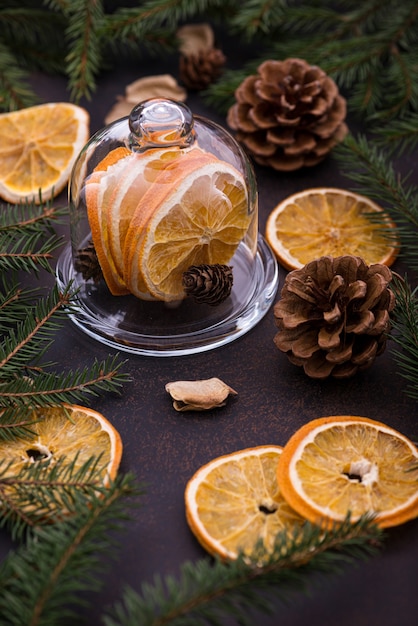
[{"x": 164, "y": 448}]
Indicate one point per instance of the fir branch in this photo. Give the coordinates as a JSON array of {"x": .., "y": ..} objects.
[
  {"x": 220, "y": 94},
  {"x": 27, "y": 251},
  {"x": 23, "y": 229},
  {"x": 369, "y": 49},
  {"x": 399, "y": 136},
  {"x": 44, "y": 492},
  {"x": 128, "y": 23},
  {"x": 41, "y": 583},
  {"x": 28, "y": 342},
  {"x": 14, "y": 303},
  {"x": 206, "y": 593},
  {"x": 30, "y": 216},
  {"x": 15, "y": 423},
  {"x": 44, "y": 388},
  {"x": 84, "y": 58},
  {"x": 15, "y": 92},
  {"x": 405, "y": 326},
  {"x": 376, "y": 178},
  {"x": 33, "y": 35}
]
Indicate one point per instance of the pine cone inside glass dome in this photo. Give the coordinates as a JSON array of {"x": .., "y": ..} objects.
[
  {"x": 288, "y": 115},
  {"x": 333, "y": 315}
]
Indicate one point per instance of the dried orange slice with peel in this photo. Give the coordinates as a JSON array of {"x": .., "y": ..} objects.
[
  {"x": 75, "y": 432},
  {"x": 98, "y": 192},
  {"x": 112, "y": 193},
  {"x": 198, "y": 216},
  {"x": 38, "y": 147},
  {"x": 139, "y": 174},
  {"x": 330, "y": 222},
  {"x": 234, "y": 502},
  {"x": 336, "y": 465},
  {"x": 164, "y": 185}
]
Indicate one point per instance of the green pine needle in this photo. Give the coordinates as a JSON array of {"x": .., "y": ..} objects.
[
  {"x": 369, "y": 167},
  {"x": 206, "y": 591},
  {"x": 44, "y": 581},
  {"x": 405, "y": 333}
]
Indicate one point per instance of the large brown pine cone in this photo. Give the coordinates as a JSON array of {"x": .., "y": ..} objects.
[
  {"x": 334, "y": 315},
  {"x": 288, "y": 115}
]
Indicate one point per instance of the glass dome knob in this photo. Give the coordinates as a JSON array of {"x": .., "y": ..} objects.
[{"x": 158, "y": 123}]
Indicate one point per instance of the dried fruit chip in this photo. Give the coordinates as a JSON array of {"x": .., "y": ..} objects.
[
  {"x": 234, "y": 502},
  {"x": 337, "y": 465},
  {"x": 334, "y": 222},
  {"x": 38, "y": 147}
]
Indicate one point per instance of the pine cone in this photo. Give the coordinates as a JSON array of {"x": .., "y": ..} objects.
[
  {"x": 197, "y": 71},
  {"x": 87, "y": 263},
  {"x": 334, "y": 314},
  {"x": 208, "y": 284},
  {"x": 288, "y": 115}
]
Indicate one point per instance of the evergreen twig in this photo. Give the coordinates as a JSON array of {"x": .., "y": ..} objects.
[
  {"x": 206, "y": 592},
  {"x": 405, "y": 333},
  {"x": 43, "y": 581},
  {"x": 374, "y": 175},
  {"x": 42, "y": 492}
]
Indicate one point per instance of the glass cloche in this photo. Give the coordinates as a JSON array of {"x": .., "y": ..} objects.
[{"x": 165, "y": 256}]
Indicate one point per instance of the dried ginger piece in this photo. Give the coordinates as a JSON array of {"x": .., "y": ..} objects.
[{"x": 199, "y": 395}]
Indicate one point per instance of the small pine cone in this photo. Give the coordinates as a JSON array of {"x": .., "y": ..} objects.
[
  {"x": 87, "y": 263},
  {"x": 208, "y": 284},
  {"x": 334, "y": 315},
  {"x": 197, "y": 71},
  {"x": 288, "y": 115}
]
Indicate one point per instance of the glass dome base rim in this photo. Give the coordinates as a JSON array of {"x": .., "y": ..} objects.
[{"x": 208, "y": 338}]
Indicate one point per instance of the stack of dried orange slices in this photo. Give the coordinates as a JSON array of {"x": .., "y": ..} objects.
[
  {"x": 331, "y": 467},
  {"x": 155, "y": 213}
]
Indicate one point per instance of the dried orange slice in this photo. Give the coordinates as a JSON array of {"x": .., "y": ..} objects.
[
  {"x": 98, "y": 192},
  {"x": 337, "y": 465},
  {"x": 329, "y": 222},
  {"x": 141, "y": 172},
  {"x": 234, "y": 502},
  {"x": 38, "y": 147},
  {"x": 197, "y": 215},
  {"x": 112, "y": 193},
  {"x": 75, "y": 432}
]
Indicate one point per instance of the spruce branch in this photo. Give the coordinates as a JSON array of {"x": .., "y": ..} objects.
[
  {"x": 84, "y": 58},
  {"x": 208, "y": 592},
  {"x": 369, "y": 49},
  {"x": 400, "y": 136},
  {"x": 43, "y": 388},
  {"x": 370, "y": 168},
  {"x": 28, "y": 341},
  {"x": 27, "y": 238},
  {"x": 30, "y": 217},
  {"x": 16, "y": 423},
  {"x": 44, "y": 581},
  {"x": 14, "y": 303},
  {"x": 15, "y": 92},
  {"x": 44, "y": 492},
  {"x": 405, "y": 325}
]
